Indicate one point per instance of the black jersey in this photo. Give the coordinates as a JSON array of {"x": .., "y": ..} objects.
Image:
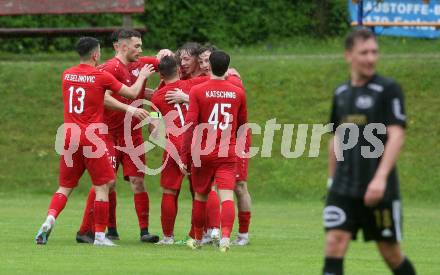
[{"x": 379, "y": 102}]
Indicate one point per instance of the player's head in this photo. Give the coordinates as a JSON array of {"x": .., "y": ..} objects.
[
  {"x": 219, "y": 61},
  {"x": 362, "y": 52},
  {"x": 129, "y": 44},
  {"x": 88, "y": 49},
  {"x": 204, "y": 54},
  {"x": 168, "y": 66},
  {"x": 188, "y": 57},
  {"x": 114, "y": 38}
]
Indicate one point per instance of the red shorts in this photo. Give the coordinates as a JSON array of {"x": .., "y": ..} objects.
[
  {"x": 171, "y": 177},
  {"x": 100, "y": 169},
  {"x": 242, "y": 169},
  {"x": 220, "y": 174},
  {"x": 122, "y": 158}
]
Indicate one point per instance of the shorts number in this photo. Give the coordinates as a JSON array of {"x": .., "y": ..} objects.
[
  {"x": 214, "y": 116},
  {"x": 81, "y": 93},
  {"x": 179, "y": 110}
]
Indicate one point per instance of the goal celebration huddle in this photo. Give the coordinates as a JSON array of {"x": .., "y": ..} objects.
[
  {"x": 202, "y": 103},
  {"x": 96, "y": 102}
]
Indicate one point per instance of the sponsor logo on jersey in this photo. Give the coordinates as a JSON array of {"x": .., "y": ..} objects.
[
  {"x": 364, "y": 102},
  {"x": 135, "y": 72},
  {"x": 334, "y": 216}
]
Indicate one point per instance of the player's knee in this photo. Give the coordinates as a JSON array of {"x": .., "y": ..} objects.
[
  {"x": 169, "y": 191},
  {"x": 391, "y": 254},
  {"x": 65, "y": 191},
  {"x": 137, "y": 184},
  {"x": 101, "y": 192},
  {"x": 200, "y": 197},
  {"x": 111, "y": 185},
  {"x": 241, "y": 189},
  {"x": 336, "y": 244}
]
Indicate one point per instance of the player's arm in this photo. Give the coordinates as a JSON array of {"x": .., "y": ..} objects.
[
  {"x": 114, "y": 104},
  {"x": 179, "y": 96},
  {"x": 191, "y": 120},
  {"x": 331, "y": 145},
  {"x": 133, "y": 91},
  {"x": 395, "y": 121},
  {"x": 154, "y": 119},
  {"x": 176, "y": 96}
]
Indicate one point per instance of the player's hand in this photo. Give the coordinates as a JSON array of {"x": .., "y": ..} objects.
[
  {"x": 176, "y": 96},
  {"x": 183, "y": 168},
  {"x": 375, "y": 191},
  {"x": 146, "y": 71},
  {"x": 164, "y": 52},
  {"x": 148, "y": 93},
  {"x": 138, "y": 113}
]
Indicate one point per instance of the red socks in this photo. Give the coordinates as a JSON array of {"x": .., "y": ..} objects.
[
  {"x": 88, "y": 216},
  {"x": 142, "y": 205},
  {"x": 112, "y": 209},
  {"x": 57, "y": 204},
  {"x": 101, "y": 210},
  {"x": 168, "y": 214},
  {"x": 244, "y": 219},
  {"x": 213, "y": 211},
  {"x": 227, "y": 218},
  {"x": 198, "y": 218}
]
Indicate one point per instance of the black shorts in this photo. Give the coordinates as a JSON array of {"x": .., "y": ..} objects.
[{"x": 382, "y": 222}]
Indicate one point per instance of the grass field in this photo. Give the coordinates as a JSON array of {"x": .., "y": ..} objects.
[
  {"x": 286, "y": 239},
  {"x": 292, "y": 82}
]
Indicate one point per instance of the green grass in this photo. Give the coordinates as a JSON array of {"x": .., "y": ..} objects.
[{"x": 287, "y": 238}]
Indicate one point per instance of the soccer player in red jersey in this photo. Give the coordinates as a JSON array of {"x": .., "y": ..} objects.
[
  {"x": 217, "y": 110},
  {"x": 174, "y": 114},
  {"x": 125, "y": 67},
  {"x": 83, "y": 89},
  {"x": 241, "y": 190}
]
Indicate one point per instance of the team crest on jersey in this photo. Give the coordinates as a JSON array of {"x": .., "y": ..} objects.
[
  {"x": 364, "y": 102},
  {"x": 135, "y": 72}
]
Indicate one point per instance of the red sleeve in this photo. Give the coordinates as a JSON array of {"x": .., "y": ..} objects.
[
  {"x": 197, "y": 80},
  {"x": 191, "y": 119},
  {"x": 242, "y": 112},
  {"x": 109, "y": 82},
  {"x": 235, "y": 80},
  {"x": 150, "y": 60}
]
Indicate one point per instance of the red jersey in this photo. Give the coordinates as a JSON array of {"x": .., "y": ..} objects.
[
  {"x": 83, "y": 89},
  {"x": 164, "y": 107},
  {"x": 128, "y": 75},
  {"x": 221, "y": 107}
]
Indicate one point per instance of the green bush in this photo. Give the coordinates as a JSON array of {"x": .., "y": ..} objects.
[{"x": 171, "y": 23}]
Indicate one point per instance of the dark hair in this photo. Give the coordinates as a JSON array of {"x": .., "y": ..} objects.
[
  {"x": 207, "y": 47},
  {"x": 115, "y": 36},
  {"x": 219, "y": 62},
  {"x": 358, "y": 34},
  {"x": 85, "y": 46},
  {"x": 192, "y": 48},
  {"x": 168, "y": 66},
  {"x": 128, "y": 33}
]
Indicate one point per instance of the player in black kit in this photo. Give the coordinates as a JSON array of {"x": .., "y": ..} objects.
[{"x": 368, "y": 117}]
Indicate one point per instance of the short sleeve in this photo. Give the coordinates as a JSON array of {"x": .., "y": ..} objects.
[
  {"x": 394, "y": 106},
  {"x": 109, "y": 82}
]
